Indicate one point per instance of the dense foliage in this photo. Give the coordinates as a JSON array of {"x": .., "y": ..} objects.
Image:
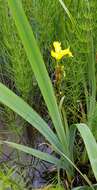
[{"x": 48, "y": 59}]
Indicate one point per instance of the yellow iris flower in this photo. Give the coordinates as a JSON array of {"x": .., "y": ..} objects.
[{"x": 59, "y": 53}]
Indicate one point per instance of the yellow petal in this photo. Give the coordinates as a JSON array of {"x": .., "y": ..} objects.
[
  {"x": 53, "y": 54},
  {"x": 59, "y": 53},
  {"x": 67, "y": 52},
  {"x": 59, "y": 56},
  {"x": 56, "y": 55},
  {"x": 57, "y": 46},
  {"x": 70, "y": 54}
]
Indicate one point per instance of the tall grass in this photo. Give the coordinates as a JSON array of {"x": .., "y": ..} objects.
[
  {"x": 79, "y": 87},
  {"x": 18, "y": 62},
  {"x": 82, "y": 40},
  {"x": 15, "y": 71}
]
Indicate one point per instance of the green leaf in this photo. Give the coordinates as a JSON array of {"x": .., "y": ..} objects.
[
  {"x": 66, "y": 10},
  {"x": 72, "y": 133},
  {"x": 37, "y": 153},
  {"x": 15, "y": 103},
  {"x": 73, "y": 21},
  {"x": 90, "y": 144},
  {"x": 38, "y": 66}
]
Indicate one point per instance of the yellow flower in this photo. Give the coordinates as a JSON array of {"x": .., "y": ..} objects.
[
  {"x": 59, "y": 53},
  {"x": 57, "y": 46}
]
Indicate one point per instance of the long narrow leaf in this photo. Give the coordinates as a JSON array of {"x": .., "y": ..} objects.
[
  {"x": 15, "y": 103},
  {"x": 67, "y": 11},
  {"x": 73, "y": 21},
  {"x": 72, "y": 134},
  {"x": 90, "y": 144},
  {"x": 38, "y": 66},
  {"x": 37, "y": 153}
]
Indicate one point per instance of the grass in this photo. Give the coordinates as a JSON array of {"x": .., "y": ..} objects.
[{"x": 72, "y": 23}]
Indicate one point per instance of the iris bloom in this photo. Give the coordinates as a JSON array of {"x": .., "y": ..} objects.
[{"x": 59, "y": 53}]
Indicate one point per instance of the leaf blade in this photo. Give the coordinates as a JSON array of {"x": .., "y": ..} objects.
[
  {"x": 17, "y": 104},
  {"x": 37, "y": 153},
  {"x": 90, "y": 144},
  {"x": 38, "y": 66}
]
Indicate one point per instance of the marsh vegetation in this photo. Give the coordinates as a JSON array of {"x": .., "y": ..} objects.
[{"x": 48, "y": 94}]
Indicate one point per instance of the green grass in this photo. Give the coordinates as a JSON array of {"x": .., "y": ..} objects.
[{"x": 74, "y": 24}]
